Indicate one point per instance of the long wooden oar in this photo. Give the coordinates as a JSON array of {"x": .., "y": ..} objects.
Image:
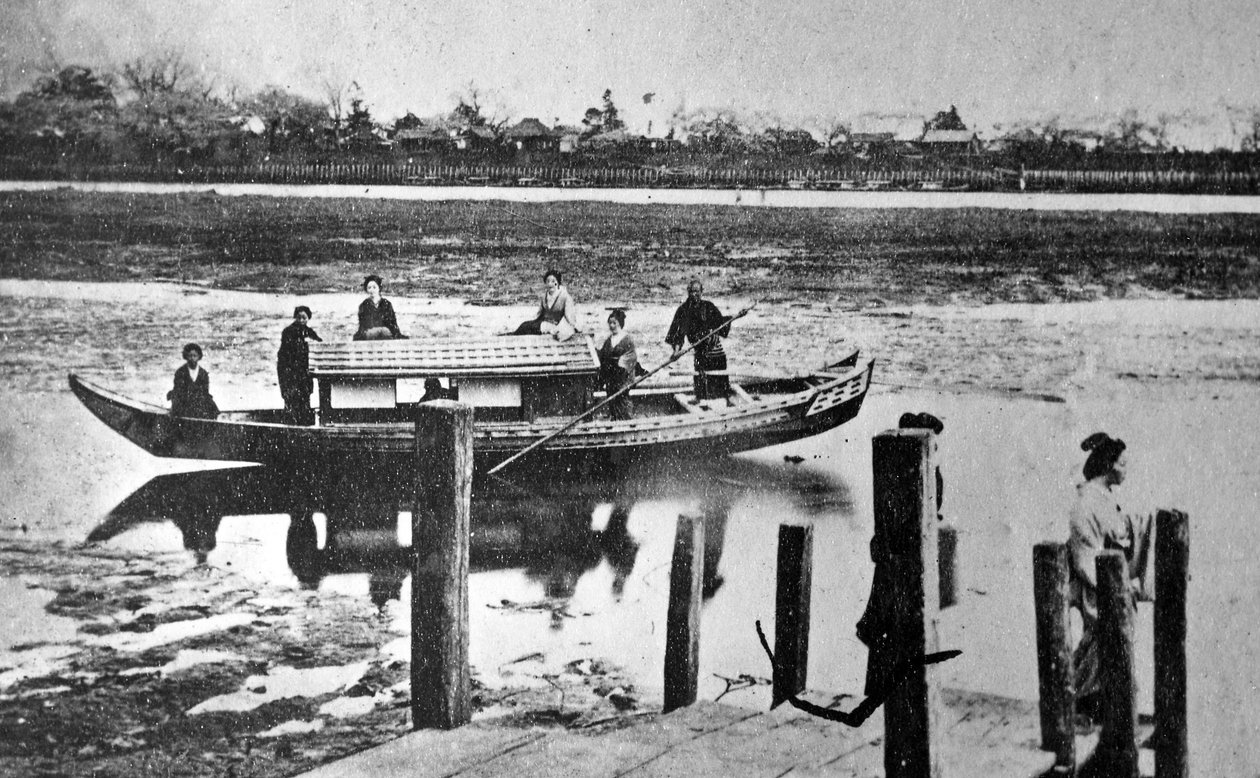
[{"x": 586, "y": 414}]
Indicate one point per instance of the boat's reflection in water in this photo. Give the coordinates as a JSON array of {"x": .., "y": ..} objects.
[{"x": 554, "y": 528}]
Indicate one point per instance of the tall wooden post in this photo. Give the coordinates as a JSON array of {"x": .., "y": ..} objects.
[
  {"x": 440, "y": 678},
  {"x": 947, "y": 554},
  {"x": 1172, "y": 573},
  {"x": 1117, "y": 745},
  {"x": 682, "y": 622},
  {"x": 1054, "y": 652},
  {"x": 905, "y": 521},
  {"x": 791, "y": 611}
]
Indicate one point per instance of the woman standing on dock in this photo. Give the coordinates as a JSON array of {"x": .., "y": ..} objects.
[
  {"x": 1098, "y": 524},
  {"x": 376, "y": 314}
]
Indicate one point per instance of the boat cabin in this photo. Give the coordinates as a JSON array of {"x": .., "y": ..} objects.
[{"x": 517, "y": 378}]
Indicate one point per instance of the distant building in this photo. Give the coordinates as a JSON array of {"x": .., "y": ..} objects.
[
  {"x": 422, "y": 139},
  {"x": 950, "y": 141},
  {"x": 473, "y": 138},
  {"x": 531, "y": 135}
]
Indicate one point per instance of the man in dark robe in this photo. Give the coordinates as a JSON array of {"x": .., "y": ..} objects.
[
  {"x": 694, "y": 319},
  {"x": 292, "y": 363}
]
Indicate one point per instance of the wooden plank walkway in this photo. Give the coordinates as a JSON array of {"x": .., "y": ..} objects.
[{"x": 984, "y": 736}]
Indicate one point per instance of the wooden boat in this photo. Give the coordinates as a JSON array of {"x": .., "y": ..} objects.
[{"x": 521, "y": 388}]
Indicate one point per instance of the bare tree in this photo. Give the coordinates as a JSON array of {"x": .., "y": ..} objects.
[
  {"x": 165, "y": 73},
  {"x": 478, "y": 107}
]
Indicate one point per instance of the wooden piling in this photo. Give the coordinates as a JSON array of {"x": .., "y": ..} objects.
[
  {"x": 905, "y": 516},
  {"x": 947, "y": 554},
  {"x": 1172, "y": 574},
  {"x": 791, "y": 611},
  {"x": 682, "y": 622},
  {"x": 1117, "y": 744},
  {"x": 1051, "y": 567},
  {"x": 440, "y": 677}
]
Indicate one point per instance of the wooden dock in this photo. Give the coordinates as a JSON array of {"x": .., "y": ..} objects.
[{"x": 983, "y": 736}]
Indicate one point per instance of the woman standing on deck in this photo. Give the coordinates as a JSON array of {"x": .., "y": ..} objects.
[
  {"x": 617, "y": 363},
  {"x": 376, "y": 314},
  {"x": 1099, "y": 524},
  {"x": 556, "y": 314},
  {"x": 292, "y": 363}
]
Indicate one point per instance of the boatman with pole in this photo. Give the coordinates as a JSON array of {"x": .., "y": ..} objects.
[{"x": 693, "y": 320}]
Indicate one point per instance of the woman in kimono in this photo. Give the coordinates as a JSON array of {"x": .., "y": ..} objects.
[
  {"x": 1098, "y": 523},
  {"x": 292, "y": 363},
  {"x": 887, "y": 653},
  {"x": 376, "y": 314},
  {"x": 618, "y": 361},
  {"x": 191, "y": 394},
  {"x": 556, "y": 314}
]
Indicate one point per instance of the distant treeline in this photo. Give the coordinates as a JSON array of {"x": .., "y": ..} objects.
[{"x": 153, "y": 119}]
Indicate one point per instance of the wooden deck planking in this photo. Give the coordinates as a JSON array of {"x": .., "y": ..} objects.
[{"x": 984, "y": 736}]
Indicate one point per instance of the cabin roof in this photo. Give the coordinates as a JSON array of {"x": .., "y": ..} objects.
[{"x": 521, "y": 355}]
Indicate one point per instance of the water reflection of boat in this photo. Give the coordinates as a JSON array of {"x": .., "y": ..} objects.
[
  {"x": 523, "y": 389},
  {"x": 546, "y": 530}
]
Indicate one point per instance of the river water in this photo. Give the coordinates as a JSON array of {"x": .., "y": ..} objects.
[
  {"x": 770, "y": 198},
  {"x": 581, "y": 570}
]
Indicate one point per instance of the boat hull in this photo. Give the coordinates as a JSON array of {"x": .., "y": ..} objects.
[{"x": 825, "y": 401}]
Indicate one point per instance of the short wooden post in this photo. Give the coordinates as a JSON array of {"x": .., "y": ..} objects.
[
  {"x": 1054, "y": 652},
  {"x": 791, "y": 611},
  {"x": 1172, "y": 574},
  {"x": 682, "y": 622},
  {"x": 1117, "y": 745},
  {"x": 440, "y": 678},
  {"x": 905, "y": 516}
]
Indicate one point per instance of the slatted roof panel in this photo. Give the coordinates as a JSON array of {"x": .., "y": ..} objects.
[{"x": 517, "y": 355}]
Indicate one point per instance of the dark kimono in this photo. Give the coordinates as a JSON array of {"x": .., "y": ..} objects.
[
  {"x": 617, "y": 365},
  {"x": 886, "y": 651},
  {"x": 377, "y": 322},
  {"x": 692, "y": 321},
  {"x": 292, "y": 370},
  {"x": 191, "y": 397}
]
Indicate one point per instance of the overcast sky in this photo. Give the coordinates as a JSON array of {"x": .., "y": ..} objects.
[{"x": 997, "y": 60}]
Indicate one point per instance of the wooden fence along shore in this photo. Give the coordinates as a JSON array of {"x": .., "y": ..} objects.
[
  {"x": 855, "y": 177},
  {"x": 921, "y": 737}
]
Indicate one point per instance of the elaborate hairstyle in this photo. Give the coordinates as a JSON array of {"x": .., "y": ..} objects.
[
  {"x": 555, "y": 273},
  {"x": 921, "y": 421},
  {"x": 369, "y": 279},
  {"x": 1103, "y": 450},
  {"x": 303, "y": 309},
  {"x": 619, "y": 315},
  {"x": 695, "y": 281},
  {"x": 190, "y": 348}
]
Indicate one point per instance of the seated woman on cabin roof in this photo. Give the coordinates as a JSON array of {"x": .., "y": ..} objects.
[
  {"x": 556, "y": 313},
  {"x": 618, "y": 362},
  {"x": 376, "y": 314}
]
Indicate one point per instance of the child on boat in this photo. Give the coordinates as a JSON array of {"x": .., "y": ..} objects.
[{"x": 191, "y": 394}]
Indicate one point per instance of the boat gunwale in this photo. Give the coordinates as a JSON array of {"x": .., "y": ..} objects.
[{"x": 491, "y": 429}]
